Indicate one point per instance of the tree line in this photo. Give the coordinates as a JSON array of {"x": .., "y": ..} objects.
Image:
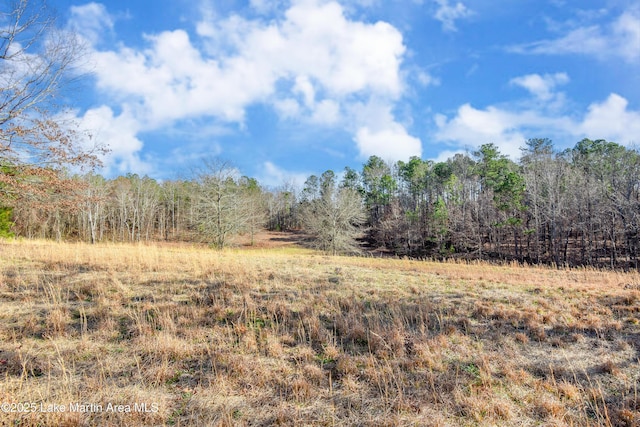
[{"x": 577, "y": 207}]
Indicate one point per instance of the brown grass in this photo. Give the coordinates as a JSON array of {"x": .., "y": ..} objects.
[{"x": 291, "y": 337}]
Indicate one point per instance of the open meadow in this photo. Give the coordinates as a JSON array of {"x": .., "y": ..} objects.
[{"x": 181, "y": 335}]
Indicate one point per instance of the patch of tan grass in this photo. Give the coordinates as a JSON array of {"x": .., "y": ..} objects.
[{"x": 292, "y": 337}]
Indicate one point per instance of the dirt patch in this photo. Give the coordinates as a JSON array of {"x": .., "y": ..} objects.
[{"x": 272, "y": 239}]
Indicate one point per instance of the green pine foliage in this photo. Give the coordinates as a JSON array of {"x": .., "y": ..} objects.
[{"x": 6, "y": 224}]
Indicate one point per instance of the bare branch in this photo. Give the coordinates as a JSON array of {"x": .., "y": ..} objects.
[{"x": 37, "y": 60}]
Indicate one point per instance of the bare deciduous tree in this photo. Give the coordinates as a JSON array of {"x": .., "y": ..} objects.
[
  {"x": 36, "y": 60},
  {"x": 223, "y": 207},
  {"x": 334, "y": 217}
]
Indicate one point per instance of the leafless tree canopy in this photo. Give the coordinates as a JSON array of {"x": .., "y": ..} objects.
[
  {"x": 226, "y": 204},
  {"x": 332, "y": 215},
  {"x": 37, "y": 60}
]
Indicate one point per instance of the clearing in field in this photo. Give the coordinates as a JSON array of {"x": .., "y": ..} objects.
[{"x": 179, "y": 335}]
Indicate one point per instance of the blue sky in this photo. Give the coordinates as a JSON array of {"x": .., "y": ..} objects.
[{"x": 287, "y": 88}]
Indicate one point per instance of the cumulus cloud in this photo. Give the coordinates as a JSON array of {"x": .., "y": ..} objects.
[
  {"x": 119, "y": 133},
  {"x": 287, "y": 108},
  {"x": 390, "y": 143},
  {"x": 619, "y": 38},
  {"x": 173, "y": 81},
  {"x": 509, "y": 126},
  {"x": 472, "y": 127},
  {"x": 612, "y": 120},
  {"x": 377, "y": 132},
  {"x": 326, "y": 112},
  {"x": 312, "y": 63}
]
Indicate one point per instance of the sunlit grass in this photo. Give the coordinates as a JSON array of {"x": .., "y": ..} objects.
[{"x": 288, "y": 336}]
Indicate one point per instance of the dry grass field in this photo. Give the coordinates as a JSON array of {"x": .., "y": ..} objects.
[{"x": 181, "y": 335}]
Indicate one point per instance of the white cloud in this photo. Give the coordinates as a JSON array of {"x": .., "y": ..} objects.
[
  {"x": 426, "y": 79},
  {"x": 344, "y": 56},
  {"x": 304, "y": 87},
  {"x": 172, "y": 81},
  {"x": 90, "y": 21},
  {"x": 119, "y": 134},
  {"x": 541, "y": 86},
  {"x": 612, "y": 120},
  {"x": 448, "y": 13},
  {"x": 509, "y": 126},
  {"x": 472, "y": 127},
  {"x": 390, "y": 143},
  {"x": 274, "y": 176},
  {"x": 313, "y": 63},
  {"x": 377, "y": 132},
  {"x": 326, "y": 112},
  {"x": 287, "y": 108},
  {"x": 317, "y": 41},
  {"x": 620, "y": 38},
  {"x": 627, "y": 32}
]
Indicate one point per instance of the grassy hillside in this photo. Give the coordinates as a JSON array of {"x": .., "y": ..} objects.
[{"x": 290, "y": 337}]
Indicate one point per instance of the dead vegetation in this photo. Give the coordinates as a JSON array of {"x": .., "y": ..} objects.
[{"x": 290, "y": 337}]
